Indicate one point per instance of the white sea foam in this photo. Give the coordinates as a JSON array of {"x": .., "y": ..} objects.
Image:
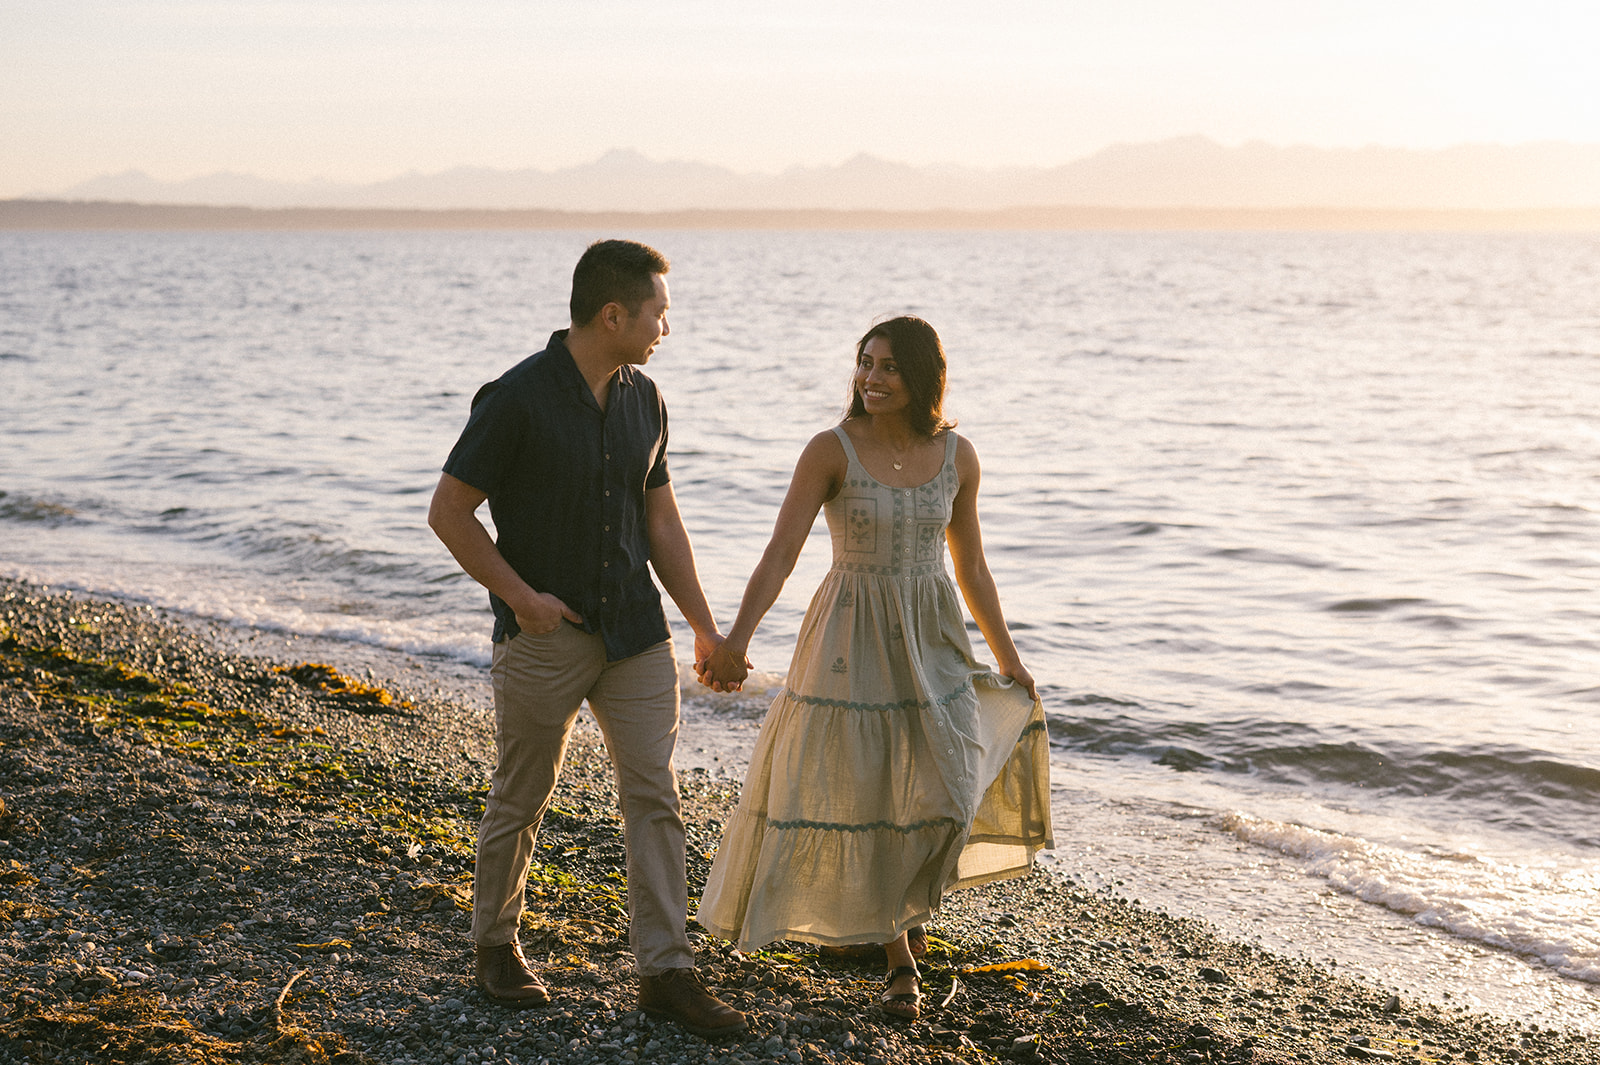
[
  {"x": 220, "y": 594},
  {"x": 1549, "y": 910}
]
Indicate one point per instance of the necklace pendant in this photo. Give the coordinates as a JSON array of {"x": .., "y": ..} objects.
[{"x": 897, "y": 465}]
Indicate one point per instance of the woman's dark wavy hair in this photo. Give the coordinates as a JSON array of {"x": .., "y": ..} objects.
[
  {"x": 614, "y": 271},
  {"x": 920, "y": 358}
]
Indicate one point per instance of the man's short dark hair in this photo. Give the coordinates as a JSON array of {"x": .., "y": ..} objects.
[{"x": 614, "y": 271}]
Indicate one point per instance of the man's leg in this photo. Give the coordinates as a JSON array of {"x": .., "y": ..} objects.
[
  {"x": 636, "y": 703},
  {"x": 539, "y": 683}
]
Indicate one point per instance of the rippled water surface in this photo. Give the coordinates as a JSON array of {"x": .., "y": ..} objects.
[{"x": 1301, "y": 533}]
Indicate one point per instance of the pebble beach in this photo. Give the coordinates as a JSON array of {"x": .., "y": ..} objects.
[{"x": 211, "y": 854}]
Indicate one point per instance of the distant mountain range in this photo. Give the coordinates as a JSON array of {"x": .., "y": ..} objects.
[{"x": 1181, "y": 172}]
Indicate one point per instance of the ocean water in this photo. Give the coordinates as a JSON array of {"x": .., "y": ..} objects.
[{"x": 1300, "y": 533}]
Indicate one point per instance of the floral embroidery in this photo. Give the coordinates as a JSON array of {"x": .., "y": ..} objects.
[
  {"x": 840, "y": 666},
  {"x": 861, "y": 525}
]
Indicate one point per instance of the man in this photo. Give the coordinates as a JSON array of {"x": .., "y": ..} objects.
[{"x": 569, "y": 448}]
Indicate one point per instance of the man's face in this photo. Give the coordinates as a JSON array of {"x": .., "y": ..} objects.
[{"x": 641, "y": 332}]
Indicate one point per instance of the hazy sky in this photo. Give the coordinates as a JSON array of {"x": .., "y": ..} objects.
[{"x": 352, "y": 90}]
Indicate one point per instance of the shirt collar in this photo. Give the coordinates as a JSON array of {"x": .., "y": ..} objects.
[{"x": 626, "y": 374}]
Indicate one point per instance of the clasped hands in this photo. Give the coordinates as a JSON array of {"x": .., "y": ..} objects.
[{"x": 722, "y": 670}]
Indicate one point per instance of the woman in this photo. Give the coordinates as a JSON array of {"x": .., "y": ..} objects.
[{"x": 893, "y": 766}]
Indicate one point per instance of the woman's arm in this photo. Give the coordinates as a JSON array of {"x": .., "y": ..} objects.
[
  {"x": 972, "y": 569},
  {"x": 817, "y": 478}
]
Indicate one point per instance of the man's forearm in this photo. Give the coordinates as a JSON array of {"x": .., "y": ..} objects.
[
  {"x": 673, "y": 560},
  {"x": 470, "y": 545}
]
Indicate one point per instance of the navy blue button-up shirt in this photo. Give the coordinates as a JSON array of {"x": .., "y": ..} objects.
[{"x": 566, "y": 485}]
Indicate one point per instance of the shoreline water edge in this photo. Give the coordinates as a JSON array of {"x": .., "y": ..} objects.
[{"x": 212, "y": 851}]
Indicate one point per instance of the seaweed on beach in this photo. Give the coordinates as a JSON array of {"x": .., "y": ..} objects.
[
  {"x": 297, "y": 761},
  {"x": 120, "y": 1026},
  {"x": 359, "y": 696},
  {"x": 112, "y": 693}
]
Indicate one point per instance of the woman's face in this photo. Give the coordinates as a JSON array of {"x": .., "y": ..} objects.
[{"x": 877, "y": 379}]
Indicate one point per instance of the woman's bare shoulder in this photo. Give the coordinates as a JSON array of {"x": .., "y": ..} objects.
[
  {"x": 821, "y": 468},
  {"x": 824, "y": 453},
  {"x": 968, "y": 471},
  {"x": 826, "y": 442}
]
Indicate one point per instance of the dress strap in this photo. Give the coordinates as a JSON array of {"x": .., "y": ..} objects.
[{"x": 849, "y": 448}]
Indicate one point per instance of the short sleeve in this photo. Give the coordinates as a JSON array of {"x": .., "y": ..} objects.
[
  {"x": 491, "y": 439},
  {"x": 658, "y": 474}
]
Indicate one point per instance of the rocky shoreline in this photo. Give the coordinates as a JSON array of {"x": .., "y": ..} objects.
[{"x": 209, "y": 856}]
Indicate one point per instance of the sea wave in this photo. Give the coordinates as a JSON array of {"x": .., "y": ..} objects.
[
  {"x": 1539, "y": 910},
  {"x": 20, "y": 507},
  {"x": 1504, "y": 786}
]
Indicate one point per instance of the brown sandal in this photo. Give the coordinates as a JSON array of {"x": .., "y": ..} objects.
[{"x": 906, "y": 1006}]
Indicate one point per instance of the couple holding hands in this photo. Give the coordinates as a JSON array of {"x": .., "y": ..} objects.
[{"x": 892, "y": 766}]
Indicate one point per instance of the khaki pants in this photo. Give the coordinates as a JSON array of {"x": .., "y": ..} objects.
[{"x": 540, "y": 681}]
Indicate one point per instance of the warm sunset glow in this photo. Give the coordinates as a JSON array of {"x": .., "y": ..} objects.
[{"x": 359, "y": 90}]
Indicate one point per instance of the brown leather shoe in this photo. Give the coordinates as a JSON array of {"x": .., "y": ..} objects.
[
  {"x": 504, "y": 976},
  {"x": 678, "y": 995}
]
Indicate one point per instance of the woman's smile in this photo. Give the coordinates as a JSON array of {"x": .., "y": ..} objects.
[{"x": 878, "y": 378}]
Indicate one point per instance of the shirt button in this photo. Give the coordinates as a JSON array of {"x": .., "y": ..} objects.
[
  {"x": 608, "y": 491},
  {"x": 603, "y": 599},
  {"x": 608, "y": 528},
  {"x": 605, "y": 565}
]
